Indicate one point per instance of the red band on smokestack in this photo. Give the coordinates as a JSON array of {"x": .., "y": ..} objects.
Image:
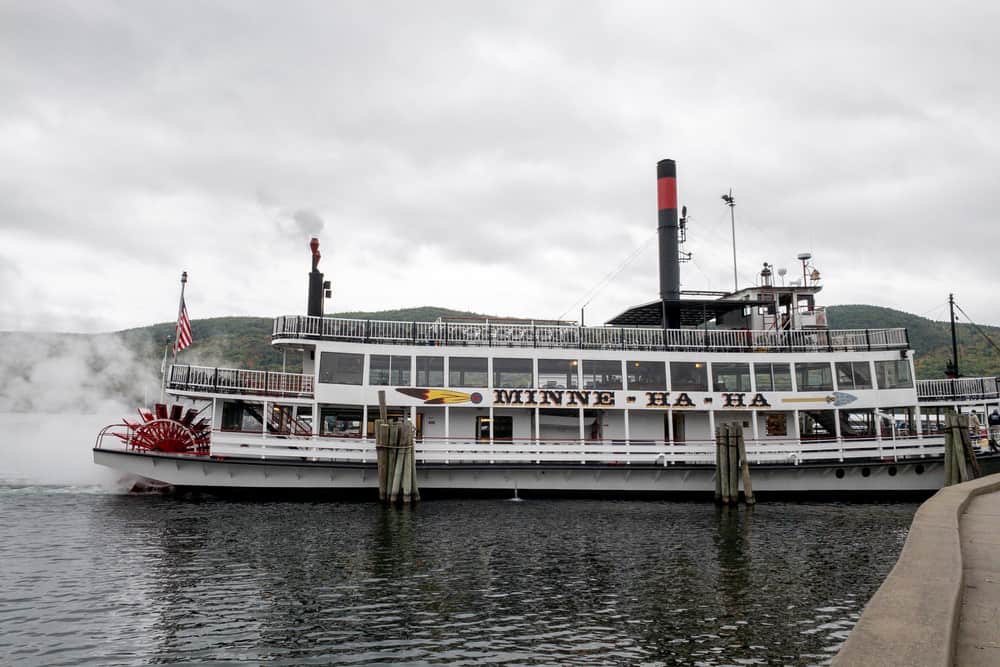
[{"x": 666, "y": 193}]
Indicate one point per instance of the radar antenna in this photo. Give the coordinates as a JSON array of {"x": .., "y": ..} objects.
[{"x": 730, "y": 201}]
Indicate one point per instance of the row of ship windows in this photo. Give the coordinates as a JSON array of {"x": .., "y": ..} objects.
[{"x": 474, "y": 372}]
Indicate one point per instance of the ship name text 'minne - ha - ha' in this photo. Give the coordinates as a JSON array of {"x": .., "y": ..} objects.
[{"x": 504, "y": 405}]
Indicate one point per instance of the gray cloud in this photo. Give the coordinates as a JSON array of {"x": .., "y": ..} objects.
[{"x": 506, "y": 153}]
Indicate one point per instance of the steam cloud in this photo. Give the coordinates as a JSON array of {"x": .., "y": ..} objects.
[
  {"x": 308, "y": 221},
  {"x": 58, "y": 390}
]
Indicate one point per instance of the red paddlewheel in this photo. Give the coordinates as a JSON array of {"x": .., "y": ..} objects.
[{"x": 162, "y": 434}]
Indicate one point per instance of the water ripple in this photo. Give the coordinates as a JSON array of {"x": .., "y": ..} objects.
[{"x": 108, "y": 579}]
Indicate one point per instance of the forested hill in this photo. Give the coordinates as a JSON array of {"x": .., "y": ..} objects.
[{"x": 930, "y": 339}]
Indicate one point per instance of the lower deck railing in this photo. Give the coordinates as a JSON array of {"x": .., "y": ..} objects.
[{"x": 609, "y": 452}]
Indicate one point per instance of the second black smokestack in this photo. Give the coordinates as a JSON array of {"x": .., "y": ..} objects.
[
  {"x": 315, "y": 305},
  {"x": 670, "y": 272}
]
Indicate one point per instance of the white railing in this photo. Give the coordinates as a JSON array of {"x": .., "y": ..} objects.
[
  {"x": 599, "y": 338},
  {"x": 575, "y": 452},
  {"x": 239, "y": 381},
  {"x": 959, "y": 388}
]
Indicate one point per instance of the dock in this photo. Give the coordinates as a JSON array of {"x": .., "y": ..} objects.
[{"x": 940, "y": 605}]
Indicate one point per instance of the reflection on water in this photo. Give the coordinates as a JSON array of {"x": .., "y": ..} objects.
[{"x": 123, "y": 580}]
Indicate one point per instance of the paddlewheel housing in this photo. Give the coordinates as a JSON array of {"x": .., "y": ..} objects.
[{"x": 175, "y": 431}]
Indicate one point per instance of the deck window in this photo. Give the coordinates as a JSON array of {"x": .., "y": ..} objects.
[
  {"x": 688, "y": 376},
  {"x": 813, "y": 377},
  {"x": 817, "y": 424},
  {"x": 340, "y": 421},
  {"x": 241, "y": 416},
  {"x": 646, "y": 375},
  {"x": 854, "y": 375},
  {"x": 857, "y": 423},
  {"x": 384, "y": 369},
  {"x": 730, "y": 377},
  {"x": 430, "y": 371},
  {"x": 503, "y": 428},
  {"x": 341, "y": 368},
  {"x": 558, "y": 373},
  {"x": 467, "y": 372},
  {"x": 773, "y": 377},
  {"x": 513, "y": 373},
  {"x": 893, "y": 374},
  {"x": 599, "y": 374}
]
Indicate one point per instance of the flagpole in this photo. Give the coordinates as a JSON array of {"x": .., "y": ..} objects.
[
  {"x": 180, "y": 309},
  {"x": 163, "y": 374}
]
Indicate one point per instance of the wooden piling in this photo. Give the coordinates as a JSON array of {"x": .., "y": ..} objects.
[
  {"x": 744, "y": 467},
  {"x": 407, "y": 443},
  {"x": 381, "y": 441},
  {"x": 734, "y": 462},
  {"x": 718, "y": 465},
  {"x": 960, "y": 433},
  {"x": 971, "y": 424},
  {"x": 395, "y": 467},
  {"x": 723, "y": 471},
  {"x": 396, "y": 458},
  {"x": 949, "y": 445}
]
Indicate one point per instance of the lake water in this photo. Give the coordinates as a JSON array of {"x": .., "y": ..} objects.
[{"x": 92, "y": 576}]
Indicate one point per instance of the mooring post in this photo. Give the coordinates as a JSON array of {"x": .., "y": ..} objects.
[
  {"x": 960, "y": 438},
  {"x": 734, "y": 462},
  {"x": 949, "y": 440},
  {"x": 407, "y": 444},
  {"x": 398, "y": 456},
  {"x": 724, "y": 462},
  {"x": 972, "y": 423},
  {"x": 718, "y": 465},
  {"x": 381, "y": 441},
  {"x": 745, "y": 466}
]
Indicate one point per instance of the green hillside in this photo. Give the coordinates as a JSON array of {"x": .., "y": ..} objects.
[
  {"x": 245, "y": 342},
  {"x": 931, "y": 340}
]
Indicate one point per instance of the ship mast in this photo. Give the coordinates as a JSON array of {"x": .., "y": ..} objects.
[{"x": 954, "y": 339}]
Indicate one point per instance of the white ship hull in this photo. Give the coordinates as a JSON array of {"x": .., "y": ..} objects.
[{"x": 850, "y": 478}]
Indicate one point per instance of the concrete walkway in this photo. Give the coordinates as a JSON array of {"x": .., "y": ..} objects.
[
  {"x": 940, "y": 605},
  {"x": 978, "y": 640}
]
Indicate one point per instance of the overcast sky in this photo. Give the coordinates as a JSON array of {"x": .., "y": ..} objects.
[{"x": 496, "y": 159}]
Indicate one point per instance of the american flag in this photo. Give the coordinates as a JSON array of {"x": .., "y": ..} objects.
[{"x": 183, "y": 339}]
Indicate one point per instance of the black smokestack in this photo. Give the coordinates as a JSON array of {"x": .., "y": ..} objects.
[
  {"x": 315, "y": 306},
  {"x": 670, "y": 272}
]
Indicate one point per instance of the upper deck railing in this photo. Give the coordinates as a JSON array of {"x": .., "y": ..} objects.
[
  {"x": 964, "y": 389},
  {"x": 239, "y": 381},
  {"x": 499, "y": 334}
]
